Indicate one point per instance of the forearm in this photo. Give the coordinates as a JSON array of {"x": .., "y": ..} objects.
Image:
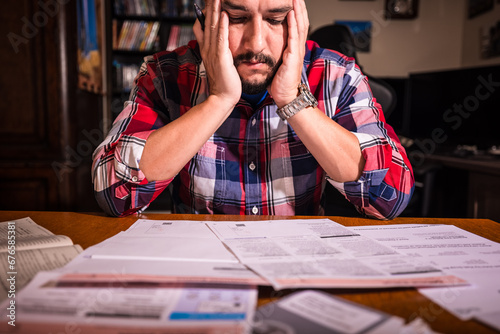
[
  {"x": 336, "y": 149},
  {"x": 169, "y": 148}
]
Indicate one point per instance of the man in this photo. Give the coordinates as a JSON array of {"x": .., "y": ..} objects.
[{"x": 252, "y": 119}]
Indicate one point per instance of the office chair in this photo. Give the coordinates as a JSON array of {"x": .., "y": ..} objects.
[{"x": 339, "y": 38}]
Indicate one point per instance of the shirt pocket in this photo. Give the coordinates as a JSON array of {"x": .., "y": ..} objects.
[
  {"x": 300, "y": 172},
  {"x": 208, "y": 176}
]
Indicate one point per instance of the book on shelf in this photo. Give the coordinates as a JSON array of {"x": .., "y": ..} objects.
[
  {"x": 136, "y": 7},
  {"x": 179, "y": 35},
  {"x": 181, "y": 8},
  {"x": 124, "y": 76},
  {"x": 27, "y": 248},
  {"x": 136, "y": 35}
]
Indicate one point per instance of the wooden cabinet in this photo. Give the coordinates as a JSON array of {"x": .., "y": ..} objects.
[
  {"x": 39, "y": 126},
  {"x": 466, "y": 187},
  {"x": 48, "y": 127}
]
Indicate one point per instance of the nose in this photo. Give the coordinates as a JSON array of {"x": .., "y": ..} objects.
[{"x": 254, "y": 36}]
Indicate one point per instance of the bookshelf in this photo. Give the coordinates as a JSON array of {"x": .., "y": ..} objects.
[{"x": 138, "y": 28}]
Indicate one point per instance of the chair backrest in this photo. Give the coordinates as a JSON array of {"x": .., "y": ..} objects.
[
  {"x": 335, "y": 37},
  {"x": 340, "y": 38}
]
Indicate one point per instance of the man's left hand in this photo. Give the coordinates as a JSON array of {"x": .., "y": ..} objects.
[{"x": 284, "y": 87}]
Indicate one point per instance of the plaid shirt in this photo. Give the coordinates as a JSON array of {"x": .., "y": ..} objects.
[{"x": 254, "y": 163}]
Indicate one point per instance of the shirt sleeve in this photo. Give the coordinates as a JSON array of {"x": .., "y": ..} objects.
[
  {"x": 386, "y": 185},
  {"x": 120, "y": 187}
]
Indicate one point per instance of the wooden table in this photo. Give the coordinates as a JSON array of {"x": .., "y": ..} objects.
[{"x": 88, "y": 229}]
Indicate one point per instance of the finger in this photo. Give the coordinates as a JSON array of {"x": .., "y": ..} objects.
[
  {"x": 208, "y": 16},
  {"x": 302, "y": 19},
  {"x": 198, "y": 33},
  {"x": 292, "y": 31},
  {"x": 213, "y": 24},
  {"x": 223, "y": 32}
]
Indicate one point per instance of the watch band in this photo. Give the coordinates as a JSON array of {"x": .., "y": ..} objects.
[{"x": 304, "y": 100}]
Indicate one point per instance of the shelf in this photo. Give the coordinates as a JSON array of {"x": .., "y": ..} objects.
[
  {"x": 134, "y": 53},
  {"x": 163, "y": 19},
  {"x": 123, "y": 63}
]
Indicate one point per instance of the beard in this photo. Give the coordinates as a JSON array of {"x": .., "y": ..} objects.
[{"x": 256, "y": 87}]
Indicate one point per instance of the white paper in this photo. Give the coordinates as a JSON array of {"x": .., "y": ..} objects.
[
  {"x": 322, "y": 253},
  {"x": 457, "y": 251},
  {"x": 171, "y": 250},
  {"x": 332, "y": 313},
  {"x": 31, "y": 261},
  {"x": 492, "y": 319},
  {"x": 318, "y": 312},
  {"x": 164, "y": 240},
  {"x": 43, "y": 304},
  {"x": 29, "y": 235}
]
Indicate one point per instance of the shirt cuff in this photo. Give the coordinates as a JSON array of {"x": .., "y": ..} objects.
[
  {"x": 128, "y": 153},
  {"x": 373, "y": 175}
]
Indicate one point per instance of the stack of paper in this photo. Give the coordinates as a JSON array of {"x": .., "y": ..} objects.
[
  {"x": 46, "y": 307},
  {"x": 176, "y": 276},
  {"x": 324, "y": 254},
  {"x": 458, "y": 252}
]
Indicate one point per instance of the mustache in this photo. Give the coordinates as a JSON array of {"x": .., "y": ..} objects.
[{"x": 256, "y": 57}]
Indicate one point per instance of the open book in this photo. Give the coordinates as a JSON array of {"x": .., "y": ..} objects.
[{"x": 27, "y": 248}]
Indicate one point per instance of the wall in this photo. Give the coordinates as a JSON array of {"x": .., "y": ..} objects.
[
  {"x": 472, "y": 40},
  {"x": 432, "y": 41}
]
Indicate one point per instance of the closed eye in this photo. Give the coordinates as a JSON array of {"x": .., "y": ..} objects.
[
  {"x": 237, "y": 19},
  {"x": 275, "y": 22}
]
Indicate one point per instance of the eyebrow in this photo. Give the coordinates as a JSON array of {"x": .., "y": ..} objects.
[{"x": 229, "y": 5}]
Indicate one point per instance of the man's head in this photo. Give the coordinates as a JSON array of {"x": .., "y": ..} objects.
[{"x": 258, "y": 35}]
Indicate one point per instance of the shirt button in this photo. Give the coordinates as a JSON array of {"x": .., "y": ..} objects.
[
  {"x": 255, "y": 210},
  {"x": 254, "y": 121},
  {"x": 134, "y": 178},
  {"x": 251, "y": 166}
]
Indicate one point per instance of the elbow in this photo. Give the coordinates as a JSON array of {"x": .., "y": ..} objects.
[
  {"x": 387, "y": 209},
  {"x": 105, "y": 203}
]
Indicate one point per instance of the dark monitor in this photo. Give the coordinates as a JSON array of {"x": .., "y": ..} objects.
[{"x": 454, "y": 107}]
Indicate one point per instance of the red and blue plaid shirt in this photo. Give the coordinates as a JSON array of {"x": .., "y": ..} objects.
[{"x": 254, "y": 163}]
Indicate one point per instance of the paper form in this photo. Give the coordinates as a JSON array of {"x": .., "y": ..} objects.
[
  {"x": 44, "y": 305},
  {"x": 322, "y": 253},
  {"x": 321, "y": 313},
  {"x": 169, "y": 250},
  {"x": 457, "y": 251},
  {"x": 165, "y": 240}
]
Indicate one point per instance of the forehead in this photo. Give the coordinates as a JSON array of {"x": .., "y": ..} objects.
[{"x": 257, "y": 5}]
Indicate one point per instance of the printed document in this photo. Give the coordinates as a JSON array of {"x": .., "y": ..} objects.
[
  {"x": 457, "y": 251},
  {"x": 46, "y": 307},
  {"x": 321, "y": 253},
  {"x": 160, "y": 250}
]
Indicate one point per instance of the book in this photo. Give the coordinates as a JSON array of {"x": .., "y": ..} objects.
[
  {"x": 27, "y": 248},
  {"x": 173, "y": 37}
]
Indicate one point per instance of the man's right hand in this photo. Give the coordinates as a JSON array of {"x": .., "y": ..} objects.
[{"x": 223, "y": 79}]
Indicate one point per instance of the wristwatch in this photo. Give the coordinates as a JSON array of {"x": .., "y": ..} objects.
[{"x": 304, "y": 100}]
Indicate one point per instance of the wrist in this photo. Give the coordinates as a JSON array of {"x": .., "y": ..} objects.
[
  {"x": 286, "y": 99},
  {"x": 223, "y": 103},
  {"x": 303, "y": 100}
]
